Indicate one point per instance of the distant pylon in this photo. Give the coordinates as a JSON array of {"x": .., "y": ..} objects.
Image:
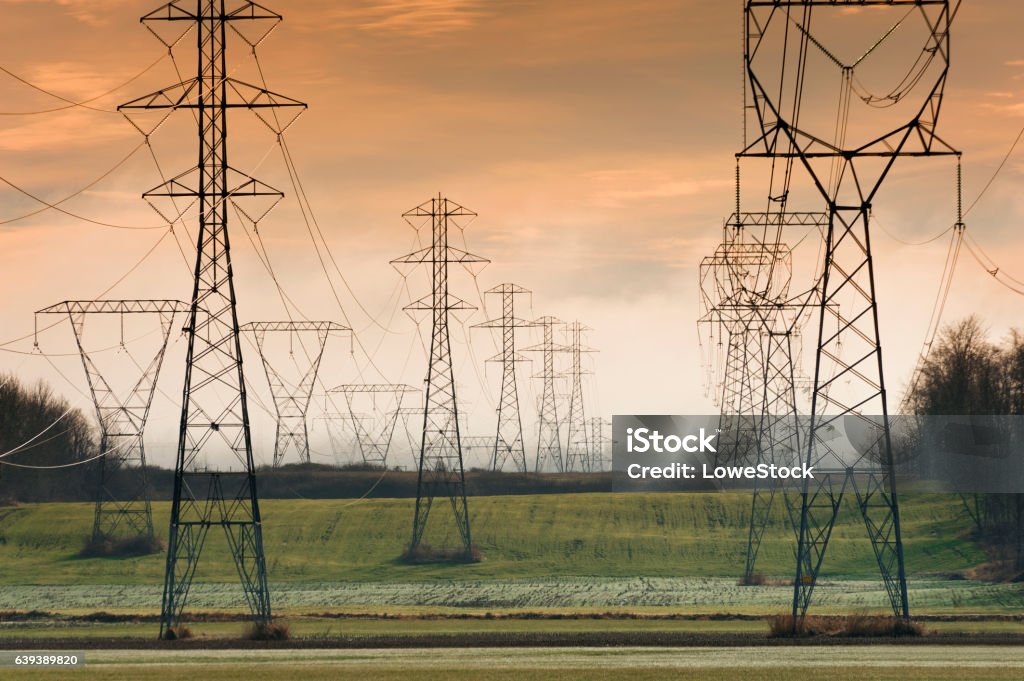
[
  {"x": 441, "y": 468},
  {"x": 405, "y": 415},
  {"x": 473, "y": 442},
  {"x": 747, "y": 304},
  {"x": 549, "y": 443},
  {"x": 374, "y": 440},
  {"x": 508, "y": 443},
  {"x": 577, "y": 452},
  {"x": 214, "y": 411},
  {"x": 598, "y": 440},
  {"x": 291, "y": 400},
  {"x": 122, "y": 510},
  {"x": 338, "y": 443}
]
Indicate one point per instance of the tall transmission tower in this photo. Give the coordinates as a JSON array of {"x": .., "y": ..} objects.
[
  {"x": 474, "y": 442},
  {"x": 214, "y": 410},
  {"x": 405, "y": 414},
  {"x": 291, "y": 399},
  {"x": 123, "y": 508},
  {"x": 441, "y": 468},
  {"x": 549, "y": 442},
  {"x": 508, "y": 443},
  {"x": 598, "y": 440},
  {"x": 847, "y": 171},
  {"x": 577, "y": 451},
  {"x": 337, "y": 442},
  {"x": 747, "y": 305},
  {"x": 374, "y": 441}
]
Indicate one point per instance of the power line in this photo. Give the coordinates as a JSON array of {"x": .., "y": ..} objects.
[
  {"x": 71, "y": 104},
  {"x": 51, "y": 206},
  {"x": 124, "y": 276}
]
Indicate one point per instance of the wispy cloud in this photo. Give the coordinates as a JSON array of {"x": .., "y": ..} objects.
[
  {"x": 1015, "y": 109},
  {"x": 617, "y": 187},
  {"x": 92, "y": 12},
  {"x": 72, "y": 129},
  {"x": 410, "y": 17},
  {"x": 68, "y": 79}
]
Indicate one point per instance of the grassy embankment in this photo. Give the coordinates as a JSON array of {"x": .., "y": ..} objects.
[{"x": 588, "y": 554}]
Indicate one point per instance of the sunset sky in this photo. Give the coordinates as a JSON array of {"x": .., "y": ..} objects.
[{"x": 594, "y": 138}]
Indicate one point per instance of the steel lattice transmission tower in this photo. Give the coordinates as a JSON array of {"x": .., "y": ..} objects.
[
  {"x": 577, "y": 451},
  {"x": 441, "y": 469},
  {"x": 474, "y": 442},
  {"x": 508, "y": 442},
  {"x": 337, "y": 443},
  {"x": 374, "y": 442},
  {"x": 123, "y": 507},
  {"x": 405, "y": 415},
  {"x": 598, "y": 440},
  {"x": 549, "y": 442},
  {"x": 215, "y": 413},
  {"x": 847, "y": 171},
  {"x": 747, "y": 305},
  {"x": 728, "y": 279},
  {"x": 291, "y": 399}
]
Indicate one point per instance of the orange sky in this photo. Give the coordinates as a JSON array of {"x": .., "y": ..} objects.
[{"x": 595, "y": 139}]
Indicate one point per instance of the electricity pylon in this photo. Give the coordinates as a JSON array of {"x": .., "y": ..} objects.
[
  {"x": 123, "y": 507},
  {"x": 597, "y": 439},
  {"x": 747, "y": 304},
  {"x": 336, "y": 442},
  {"x": 214, "y": 410},
  {"x": 577, "y": 452},
  {"x": 291, "y": 399},
  {"x": 508, "y": 442},
  {"x": 374, "y": 441},
  {"x": 474, "y": 442},
  {"x": 441, "y": 468},
  {"x": 849, "y": 383},
  {"x": 549, "y": 443}
]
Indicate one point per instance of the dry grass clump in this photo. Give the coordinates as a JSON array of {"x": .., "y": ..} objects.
[
  {"x": 998, "y": 571},
  {"x": 275, "y": 630},
  {"x": 760, "y": 579},
  {"x": 425, "y": 554},
  {"x": 178, "y": 633},
  {"x": 754, "y": 579},
  {"x": 105, "y": 546},
  {"x": 876, "y": 625},
  {"x": 846, "y": 626}
]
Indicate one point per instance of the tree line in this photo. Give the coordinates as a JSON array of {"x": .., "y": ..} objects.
[
  {"x": 967, "y": 373},
  {"x": 60, "y": 442},
  {"x": 40, "y": 428}
]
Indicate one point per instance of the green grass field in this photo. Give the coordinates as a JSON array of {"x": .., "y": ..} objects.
[
  {"x": 522, "y": 537},
  {"x": 582, "y": 553},
  {"x": 839, "y": 663}
]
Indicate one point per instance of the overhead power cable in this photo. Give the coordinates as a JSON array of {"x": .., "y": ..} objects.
[
  {"x": 70, "y": 103},
  {"x": 47, "y": 205}
]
